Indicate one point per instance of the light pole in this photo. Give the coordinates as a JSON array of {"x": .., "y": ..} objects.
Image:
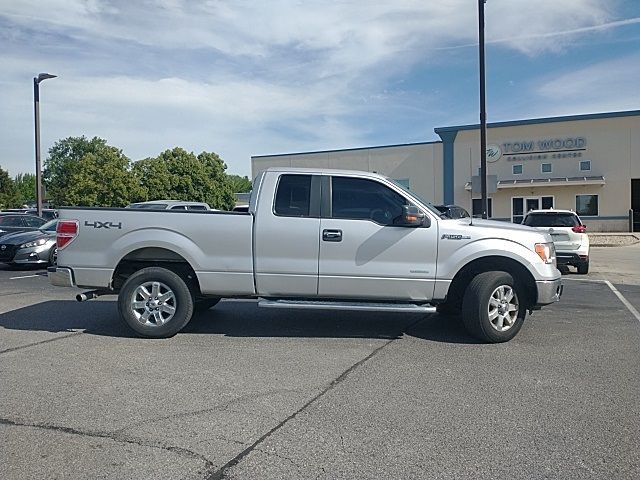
[
  {"x": 36, "y": 111},
  {"x": 483, "y": 111}
]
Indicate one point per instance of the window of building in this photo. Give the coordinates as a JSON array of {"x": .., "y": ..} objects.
[
  {"x": 585, "y": 166},
  {"x": 587, "y": 205},
  {"x": 521, "y": 205},
  {"x": 293, "y": 196},
  {"x": 476, "y": 207},
  {"x": 547, "y": 202},
  {"x": 517, "y": 169},
  {"x": 546, "y": 168},
  {"x": 362, "y": 199}
]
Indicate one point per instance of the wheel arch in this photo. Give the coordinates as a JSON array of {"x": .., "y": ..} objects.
[
  {"x": 154, "y": 257},
  {"x": 517, "y": 270}
]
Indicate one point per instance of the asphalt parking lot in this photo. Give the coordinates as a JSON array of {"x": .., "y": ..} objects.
[{"x": 269, "y": 394}]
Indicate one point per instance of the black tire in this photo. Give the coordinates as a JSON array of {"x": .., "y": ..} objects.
[
  {"x": 181, "y": 302},
  {"x": 583, "y": 268},
  {"x": 53, "y": 256},
  {"x": 204, "y": 304},
  {"x": 476, "y": 305}
]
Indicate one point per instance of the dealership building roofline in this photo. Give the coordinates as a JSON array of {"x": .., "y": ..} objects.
[
  {"x": 313, "y": 152},
  {"x": 537, "y": 121}
]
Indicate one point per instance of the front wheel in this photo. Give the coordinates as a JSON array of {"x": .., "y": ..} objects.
[
  {"x": 493, "y": 309},
  {"x": 155, "y": 302}
]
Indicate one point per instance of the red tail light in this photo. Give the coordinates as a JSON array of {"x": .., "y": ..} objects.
[
  {"x": 579, "y": 229},
  {"x": 66, "y": 231}
]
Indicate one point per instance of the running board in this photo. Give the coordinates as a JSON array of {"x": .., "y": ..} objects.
[{"x": 327, "y": 305}]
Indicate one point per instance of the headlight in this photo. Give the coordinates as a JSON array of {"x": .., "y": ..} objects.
[
  {"x": 35, "y": 243},
  {"x": 546, "y": 252}
]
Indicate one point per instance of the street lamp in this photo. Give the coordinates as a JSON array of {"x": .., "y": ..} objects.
[
  {"x": 483, "y": 111},
  {"x": 36, "y": 110}
]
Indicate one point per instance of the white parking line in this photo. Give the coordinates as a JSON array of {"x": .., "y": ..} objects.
[{"x": 631, "y": 308}]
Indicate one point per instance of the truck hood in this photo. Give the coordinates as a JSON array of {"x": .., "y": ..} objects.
[{"x": 481, "y": 229}]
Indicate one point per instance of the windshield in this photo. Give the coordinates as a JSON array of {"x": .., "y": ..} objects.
[
  {"x": 551, "y": 220},
  {"x": 50, "y": 226},
  {"x": 424, "y": 202}
]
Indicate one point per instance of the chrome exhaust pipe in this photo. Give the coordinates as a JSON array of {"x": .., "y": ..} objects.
[{"x": 83, "y": 297}]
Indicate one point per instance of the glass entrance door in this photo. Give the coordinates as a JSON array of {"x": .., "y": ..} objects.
[
  {"x": 635, "y": 203},
  {"x": 521, "y": 205}
]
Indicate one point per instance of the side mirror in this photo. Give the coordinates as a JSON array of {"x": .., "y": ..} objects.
[{"x": 413, "y": 217}]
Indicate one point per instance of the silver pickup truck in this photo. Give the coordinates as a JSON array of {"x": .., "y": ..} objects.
[{"x": 313, "y": 238}]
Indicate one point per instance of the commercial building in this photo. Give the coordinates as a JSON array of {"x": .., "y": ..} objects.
[{"x": 587, "y": 163}]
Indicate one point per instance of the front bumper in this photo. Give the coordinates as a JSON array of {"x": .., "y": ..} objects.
[
  {"x": 549, "y": 291},
  {"x": 61, "y": 276}
]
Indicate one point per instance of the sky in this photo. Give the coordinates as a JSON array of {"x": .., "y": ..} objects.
[{"x": 243, "y": 78}]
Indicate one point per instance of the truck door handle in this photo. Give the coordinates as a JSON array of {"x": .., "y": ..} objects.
[{"x": 332, "y": 235}]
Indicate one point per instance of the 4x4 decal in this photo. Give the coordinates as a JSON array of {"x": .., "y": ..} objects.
[{"x": 97, "y": 224}]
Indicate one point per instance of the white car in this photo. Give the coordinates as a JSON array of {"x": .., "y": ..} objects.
[
  {"x": 568, "y": 234},
  {"x": 171, "y": 205}
]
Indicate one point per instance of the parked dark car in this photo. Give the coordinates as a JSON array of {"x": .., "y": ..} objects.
[
  {"x": 47, "y": 213},
  {"x": 18, "y": 222},
  {"x": 452, "y": 211},
  {"x": 30, "y": 248}
]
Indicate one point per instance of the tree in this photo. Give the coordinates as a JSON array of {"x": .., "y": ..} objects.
[
  {"x": 26, "y": 186},
  {"x": 86, "y": 172},
  {"x": 180, "y": 175},
  {"x": 240, "y": 184},
  {"x": 9, "y": 197}
]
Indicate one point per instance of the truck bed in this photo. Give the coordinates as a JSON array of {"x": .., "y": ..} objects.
[{"x": 218, "y": 245}]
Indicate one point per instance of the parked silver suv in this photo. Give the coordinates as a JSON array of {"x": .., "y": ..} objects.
[{"x": 568, "y": 234}]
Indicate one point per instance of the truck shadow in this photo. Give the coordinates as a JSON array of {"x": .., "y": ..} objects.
[{"x": 240, "y": 319}]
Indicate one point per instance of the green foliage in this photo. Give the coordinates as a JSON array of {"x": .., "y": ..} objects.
[
  {"x": 26, "y": 186},
  {"x": 9, "y": 197},
  {"x": 180, "y": 175},
  {"x": 91, "y": 173},
  {"x": 240, "y": 184}
]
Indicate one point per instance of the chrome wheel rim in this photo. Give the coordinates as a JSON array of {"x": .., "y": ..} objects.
[
  {"x": 153, "y": 304},
  {"x": 503, "y": 308}
]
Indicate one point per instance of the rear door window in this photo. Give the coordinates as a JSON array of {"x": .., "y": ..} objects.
[
  {"x": 293, "y": 196},
  {"x": 34, "y": 222}
]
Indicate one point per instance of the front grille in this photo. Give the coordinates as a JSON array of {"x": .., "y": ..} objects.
[{"x": 8, "y": 252}]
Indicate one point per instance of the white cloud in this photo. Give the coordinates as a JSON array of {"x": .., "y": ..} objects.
[
  {"x": 244, "y": 78},
  {"x": 605, "y": 86}
]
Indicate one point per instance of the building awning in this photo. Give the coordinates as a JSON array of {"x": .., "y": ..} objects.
[{"x": 547, "y": 182}]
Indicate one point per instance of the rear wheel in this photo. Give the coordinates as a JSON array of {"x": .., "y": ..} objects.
[
  {"x": 155, "y": 302},
  {"x": 493, "y": 309},
  {"x": 583, "y": 268}
]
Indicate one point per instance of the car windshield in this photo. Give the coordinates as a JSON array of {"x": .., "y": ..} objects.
[
  {"x": 149, "y": 206},
  {"x": 50, "y": 226},
  {"x": 551, "y": 220},
  {"x": 426, "y": 203}
]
